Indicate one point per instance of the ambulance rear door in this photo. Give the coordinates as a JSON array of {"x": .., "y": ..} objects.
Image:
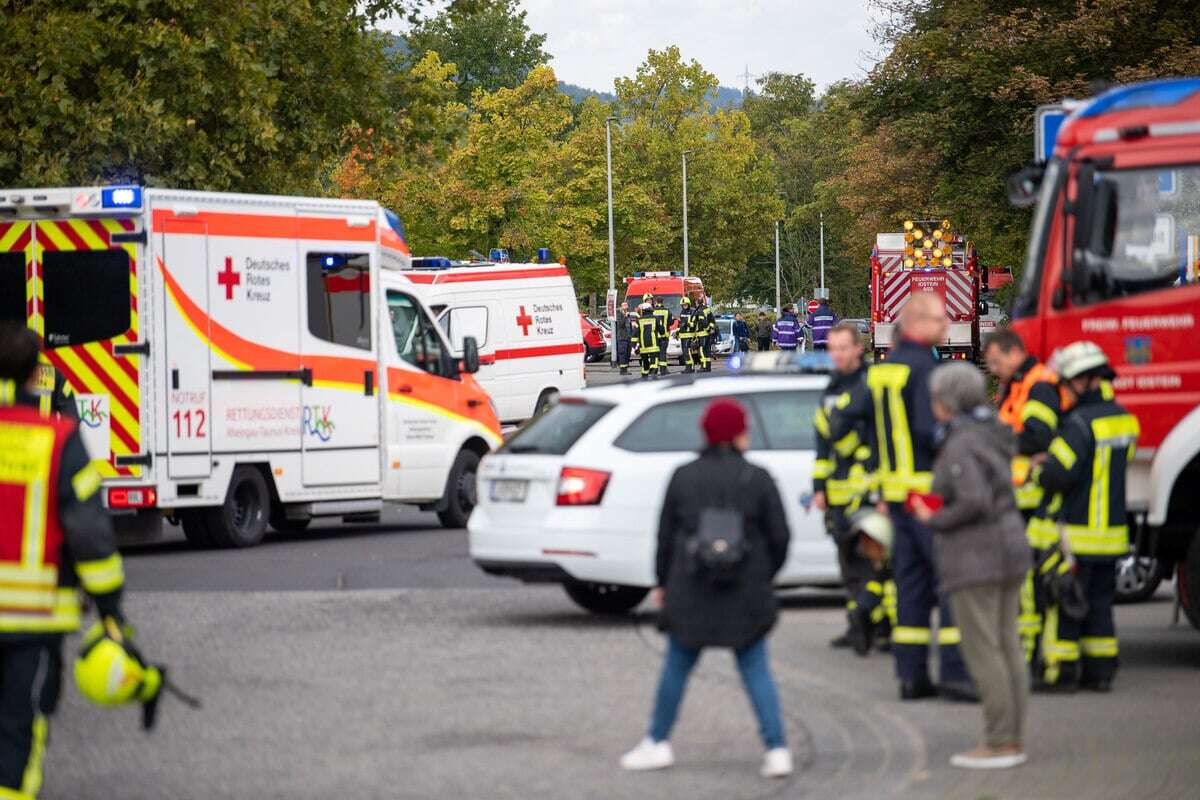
[
  {"x": 81, "y": 291},
  {"x": 340, "y": 429}
]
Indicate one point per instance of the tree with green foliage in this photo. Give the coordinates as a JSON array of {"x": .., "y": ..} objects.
[
  {"x": 218, "y": 96},
  {"x": 487, "y": 40}
]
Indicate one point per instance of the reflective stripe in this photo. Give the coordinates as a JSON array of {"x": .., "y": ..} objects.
[
  {"x": 875, "y": 587},
  {"x": 8, "y": 393},
  {"x": 822, "y": 468},
  {"x": 1035, "y": 409},
  {"x": 102, "y": 576},
  {"x": 1042, "y": 533},
  {"x": 63, "y": 617},
  {"x": 948, "y": 636},
  {"x": 1098, "y": 491},
  {"x": 846, "y": 446},
  {"x": 1029, "y": 496},
  {"x": 86, "y": 482},
  {"x": 821, "y": 422},
  {"x": 31, "y": 780},
  {"x": 1087, "y": 541},
  {"x": 1063, "y": 452},
  {"x": 842, "y": 401},
  {"x": 903, "y": 634},
  {"x": 1098, "y": 646},
  {"x": 897, "y": 486}
]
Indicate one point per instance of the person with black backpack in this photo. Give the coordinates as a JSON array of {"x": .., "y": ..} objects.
[{"x": 722, "y": 537}]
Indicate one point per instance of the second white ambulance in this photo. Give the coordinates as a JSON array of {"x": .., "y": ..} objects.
[{"x": 240, "y": 359}]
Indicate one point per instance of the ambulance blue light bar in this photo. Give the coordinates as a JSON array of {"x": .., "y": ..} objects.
[
  {"x": 432, "y": 262},
  {"x": 543, "y": 255},
  {"x": 1151, "y": 94},
  {"x": 121, "y": 197}
]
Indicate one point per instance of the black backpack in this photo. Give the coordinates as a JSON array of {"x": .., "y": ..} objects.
[{"x": 717, "y": 550}]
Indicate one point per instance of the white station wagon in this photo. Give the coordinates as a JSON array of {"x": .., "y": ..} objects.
[{"x": 574, "y": 497}]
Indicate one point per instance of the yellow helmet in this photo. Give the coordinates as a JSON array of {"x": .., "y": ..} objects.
[
  {"x": 109, "y": 673},
  {"x": 647, "y": 297}
]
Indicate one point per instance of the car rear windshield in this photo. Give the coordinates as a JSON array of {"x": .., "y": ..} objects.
[
  {"x": 557, "y": 429},
  {"x": 87, "y": 295}
]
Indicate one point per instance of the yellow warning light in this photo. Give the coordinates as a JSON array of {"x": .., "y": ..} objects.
[
  {"x": 937, "y": 234},
  {"x": 937, "y": 252},
  {"x": 909, "y": 263},
  {"x": 908, "y": 237},
  {"x": 946, "y": 224},
  {"x": 918, "y": 233},
  {"x": 908, "y": 251},
  {"x": 946, "y": 261},
  {"x": 908, "y": 224},
  {"x": 928, "y": 243}
]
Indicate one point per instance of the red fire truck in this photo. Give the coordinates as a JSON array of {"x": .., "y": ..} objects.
[
  {"x": 1114, "y": 257},
  {"x": 927, "y": 257}
]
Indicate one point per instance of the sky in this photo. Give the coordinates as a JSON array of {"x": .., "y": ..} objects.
[{"x": 595, "y": 41}]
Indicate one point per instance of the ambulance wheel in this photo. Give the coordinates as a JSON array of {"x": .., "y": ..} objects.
[
  {"x": 544, "y": 399},
  {"x": 242, "y": 520},
  {"x": 460, "y": 490},
  {"x": 1188, "y": 582},
  {"x": 194, "y": 528},
  {"x": 605, "y": 598}
]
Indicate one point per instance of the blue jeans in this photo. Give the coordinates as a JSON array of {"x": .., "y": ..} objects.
[{"x": 756, "y": 678}]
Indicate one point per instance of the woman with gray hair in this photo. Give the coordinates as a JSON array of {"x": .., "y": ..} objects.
[{"x": 981, "y": 555}]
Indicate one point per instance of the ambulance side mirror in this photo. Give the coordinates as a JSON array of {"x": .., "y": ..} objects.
[{"x": 470, "y": 357}]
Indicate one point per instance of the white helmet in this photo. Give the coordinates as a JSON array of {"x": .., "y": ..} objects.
[
  {"x": 1079, "y": 358},
  {"x": 875, "y": 525}
]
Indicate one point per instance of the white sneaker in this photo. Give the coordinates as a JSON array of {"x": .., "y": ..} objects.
[
  {"x": 648, "y": 755},
  {"x": 777, "y": 763},
  {"x": 985, "y": 758}
]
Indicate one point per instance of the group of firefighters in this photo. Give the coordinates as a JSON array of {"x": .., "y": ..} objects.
[
  {"x": 651, "y": 330},
  {"x": 877, "y": 437}
]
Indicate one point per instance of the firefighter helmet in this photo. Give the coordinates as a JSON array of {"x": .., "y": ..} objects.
[
  {"x": 685, "y": 301},
  {"x": 1081, "y": 358},
  {"x": 647, "y": 297},
  {"x": 645, "y": 307},
  {"x": 109, "y": 672},
  {"x": 875, "y": 525}
]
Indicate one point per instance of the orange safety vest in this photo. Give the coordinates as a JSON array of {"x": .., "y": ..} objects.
[
  {"x": 1018, "y": 393},
  {"x": 31, "y": 539}
]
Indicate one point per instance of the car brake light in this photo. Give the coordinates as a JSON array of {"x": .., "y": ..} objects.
[
  {"x": 581, "y": 487},
  {"x": 132, "y": 497}
]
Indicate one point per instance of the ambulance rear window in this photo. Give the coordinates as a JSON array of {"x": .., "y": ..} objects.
[
  {"x": 86, "y": 294},
  {"x": 12, "y": 287}
]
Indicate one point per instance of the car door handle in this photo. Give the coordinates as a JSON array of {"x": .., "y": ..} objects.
[{"x": 405, "y": 389}]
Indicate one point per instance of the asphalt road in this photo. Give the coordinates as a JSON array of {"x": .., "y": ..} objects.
[{"x": 376, "y": 662}]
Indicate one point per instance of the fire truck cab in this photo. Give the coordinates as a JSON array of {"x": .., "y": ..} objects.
[{"x": 1114, "y": 257}]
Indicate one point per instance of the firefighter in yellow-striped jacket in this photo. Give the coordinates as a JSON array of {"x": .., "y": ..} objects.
[
  {"x": 842, "y": 482},
  {"x": 54, "y": 537},
  {"x": 1085, "y": 467}
]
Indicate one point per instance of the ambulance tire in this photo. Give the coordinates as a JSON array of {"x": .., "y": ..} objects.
[
  {"x": 195, "y": 530},
  {"x": 460, "y": 490},
  {"x": 242, "y": 520},
  {"x": 605, "y": 598},
  {"x": 547, "y": 397},
  {"x": 1188, "y": 582}
]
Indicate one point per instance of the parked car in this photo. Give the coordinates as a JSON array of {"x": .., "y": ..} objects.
[
  {"x": 595, "y": 345},
  {"x": 574, "y": 497}
]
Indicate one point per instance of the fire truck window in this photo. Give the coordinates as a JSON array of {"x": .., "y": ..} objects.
[
  {"x": 1157, "y": 235},
  {"x": 12, "y": 287},
  {"x": 460, "y": 323},
  {"x": 417, "y": 339},
  {"x": 86, "y": 294},
  {"x": 339, "y": 298}
]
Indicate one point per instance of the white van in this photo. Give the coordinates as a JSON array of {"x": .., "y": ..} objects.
[
  {"x": 525, "y": 320},
  {"x": 239, "y": 359}
]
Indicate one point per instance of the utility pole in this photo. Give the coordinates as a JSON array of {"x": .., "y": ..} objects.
[
  {"x": 612, "y": 261},
  {"x": 685, "y": 205},
  {"x": 777, "y": 306},
  {"x": 824, "y": 293}
]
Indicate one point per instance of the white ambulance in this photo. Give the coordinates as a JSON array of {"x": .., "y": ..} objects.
[
  {"x": 242, "y": 359},
  {"x": 525, "y": 319}
]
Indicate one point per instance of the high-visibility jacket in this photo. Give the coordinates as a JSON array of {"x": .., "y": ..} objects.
[
  {"x": 844, "y": 466},
  {"x": 688, "y": 317},
  {"x": 53, "y": 393},
  {"x": 54, "y": 534},
  {"x": 1085, "y": 466},
  {"x": 1030, "y": 405},
  {"x": 650, "y": 332},
  {"x": 664, "y": 316},
  {"x": 898, "y": 407}
]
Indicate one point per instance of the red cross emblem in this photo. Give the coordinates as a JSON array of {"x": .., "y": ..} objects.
[
  {"x": 229, "y": 278},
  {"x": 524, "y": 321}
]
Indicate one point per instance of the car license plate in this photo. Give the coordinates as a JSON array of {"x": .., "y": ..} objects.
[{"x": 509, "y": 491}]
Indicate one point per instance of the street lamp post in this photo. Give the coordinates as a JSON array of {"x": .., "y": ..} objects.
[
  {"x": 777, "y": 306},
  {"x": 823, "y": 294},
  {"x": 612, "y": 261},
  {"x": 685, "y": 205}
]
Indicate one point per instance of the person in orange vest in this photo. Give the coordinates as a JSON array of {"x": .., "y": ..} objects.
[
  {"x": 55, "y": 537},
  {"x": 1030, "y": 403}
]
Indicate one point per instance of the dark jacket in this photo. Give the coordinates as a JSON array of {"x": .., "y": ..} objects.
[
  {"x": 696, "y": 612},
  {"x": 762, "y": 328},
  {"x": 820, "y": 321},
  {"x": 979, "y": 535},
  {"x": 740, "y": 329}
]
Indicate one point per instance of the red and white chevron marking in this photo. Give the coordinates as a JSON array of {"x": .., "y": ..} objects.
[{"x": 953, "y": 285}]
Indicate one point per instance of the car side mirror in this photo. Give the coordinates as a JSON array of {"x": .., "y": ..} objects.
[
  {"x": 1104, "y": 219},
  {"x": 1023, "y": 186},
  {"x": 470, "y": 358}
]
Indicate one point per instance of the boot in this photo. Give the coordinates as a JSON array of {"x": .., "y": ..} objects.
[
  {"x": 917, "y": 690},
  {"x": 861, "y": 632},
  {"x": 708, "y": 367},
  {"x": 624, "y": 370}
]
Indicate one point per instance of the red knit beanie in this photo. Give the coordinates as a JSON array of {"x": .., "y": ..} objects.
[{"x": 723, "y": 421}]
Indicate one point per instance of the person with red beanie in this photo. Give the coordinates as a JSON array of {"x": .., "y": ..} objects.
[{"x": 722, "y": 537}]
